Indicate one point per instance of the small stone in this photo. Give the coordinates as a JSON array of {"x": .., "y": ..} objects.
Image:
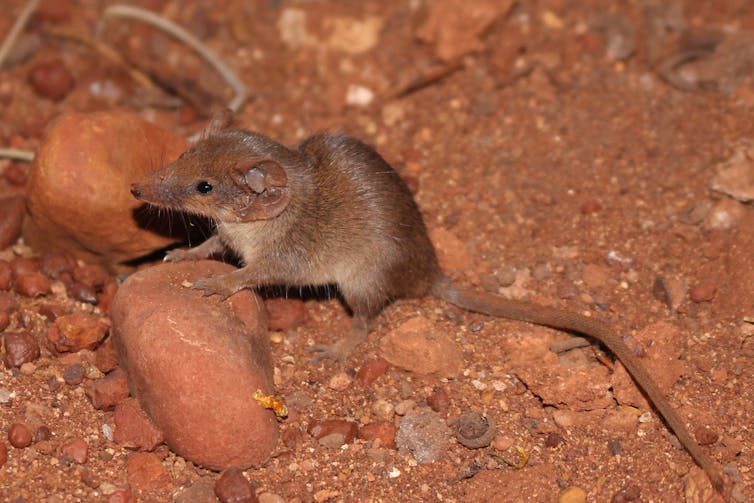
[
  {"x": 703, "y": 291},
  {"x": 75, "y": 450},
  {"x": 615, "y": 447},
  {"x": 24, "y": 265},
  {"x": 33, "y": 284},
  {"x": 384, "y": 431},
  {"x": 12, "y": 209},
  {"x": 15, "y": 175},
  {"x": 105, "y": 357},
  {"x": 57, "y": 265},
  {"x": 105, "y": 393},
  {"x": 134, "y": 429},
  {"x": 51, "y": 79},
  {"x": 74, "y": 374},
  {"x": 145, "y": 472},
  {"x": 82, "y": 292},
  {"x": 340, "y": 382},
  {"x": 370, "y": 371},
  {"x": 423, "y": 434},
  {"x": 333, "y": 432},
  {"x": 553, "y": 440},
  {"x": 705, "y": 436},
  {"x": 200, "y": 491},
  {"x": 234, "y": 487},
  {"x": 54, "y": 384},
  {"x": 43, "y": 433},
  {"x": 630, "y": 493},
  {"x": 20, "y": 348},
  {"x": 417, "y": 346},
  {"x": 19, "y": 435},
  {"x": 572, "y": 494},
  {"x": 439, "y": 401},
  {"x": 474, "y": 430},
  {"x": 669, "y": 290},
  {"x": 383, "y": 409},
  {"x": 76, "y": 331},
  {"x": 293, "y": 438},
  {"x": 285, "y": 314},
  {"x": 52, "y": 311},
  {"x": 271, "y": 498}
]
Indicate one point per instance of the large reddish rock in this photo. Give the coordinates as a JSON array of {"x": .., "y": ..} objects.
[
  {"x": 79, "y": 197},
  {"x": 195, "y": 362}
]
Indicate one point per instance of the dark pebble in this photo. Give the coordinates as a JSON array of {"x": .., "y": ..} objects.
[
  {"x": 54, "y": 384},
  {"x": 631, "y": 493},
  {"x": 439, "y": 401},
  {"x": 615, "y": 447},
  {"x": 52, "y": 311},
  {"x": 82, "y": 292},
  {"x": 15, "y": 175},
  {"x": 43, "y": 433},
  {"x": 74, "y": 374},
  {"x": 91, "y": 275},
  {"x": 51, "y": 79},
  {"x": 553, "y": 440},
  {"x": 233, "y": 487}
]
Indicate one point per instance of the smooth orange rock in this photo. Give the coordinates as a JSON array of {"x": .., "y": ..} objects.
[
  {"x": 79, "y": 196},
  {"x": 195, "y": 362}
]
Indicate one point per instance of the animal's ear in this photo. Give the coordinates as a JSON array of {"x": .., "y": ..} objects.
[
  {"x": 220, "y": 120},
  {"x": 266, "y": 186}
]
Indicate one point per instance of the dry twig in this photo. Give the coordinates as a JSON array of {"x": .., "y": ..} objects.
[{"x": 15, "y": 31}]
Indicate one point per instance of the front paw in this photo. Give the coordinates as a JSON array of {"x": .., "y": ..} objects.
[
  {"x": 179, "y": 254},
  {"x": 215, "y": 285}
]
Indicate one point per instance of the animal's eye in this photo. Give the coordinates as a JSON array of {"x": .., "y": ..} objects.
[{"x": 204, "y": 187}]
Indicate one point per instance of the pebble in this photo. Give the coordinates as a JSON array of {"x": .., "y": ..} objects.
[
  {"x": 82, "y": 292},
  {"x": 51, "y": 79},
  {"x": 13, "y": 209},
  {"x": 424, "y": 435},
  {"x": 74, "y": 374},
  {"x": 370, "y": 371},
  {"x": 134, "y": 429},
  {"x": 19, "y": 435},
  {"x": 200, "y": 491},
  {"x": 705, "y": 436},
  {"x": 340, "y": 382},
  {"x": 77, "y": 331},
  {"x": 630, "y": 493},
  {"x": 333, "y": 432},
  {"x": 20, "y": 348},
  {"x": 57, "y": 265},
  {"x": 15, "y": 175},
  {"x": 439, "y": 401},
  {"x": 293, "y": 438},
  {"x": 383, "y": 409},
  {"x": 384, "y": 431},
  {"x": 271, "y": 498},
  {"x": 703, "y": 291},
  {"x": 75, "y": 450},
  {"x": 234, "y": 487},
  {"x": 572, "y": 494},
  {"x": 43, "y": 433},
  {"x": 417, "y": 346},
  {"x": 33, "y": 284},
  {"x": 669, "y": 290},
  {"x": 105, "y": 357},
  {"x": 6, "y": 275},
  {"x": 285, "y": 314},
  {"x": 105, "y": 393},
  {"x": 145, "y": 472}
]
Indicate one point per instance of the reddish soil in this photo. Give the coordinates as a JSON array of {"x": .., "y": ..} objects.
[{"x": 586, "y": 176}]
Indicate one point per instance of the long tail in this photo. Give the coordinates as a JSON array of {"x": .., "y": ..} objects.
[{"x": 494, "y": 305}]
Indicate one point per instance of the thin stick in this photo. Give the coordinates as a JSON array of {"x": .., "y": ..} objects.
[
  {"x": 15, "y": 30},
  {"x": 16, "y": 154},
  {"x": 149, "y": 17}
]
